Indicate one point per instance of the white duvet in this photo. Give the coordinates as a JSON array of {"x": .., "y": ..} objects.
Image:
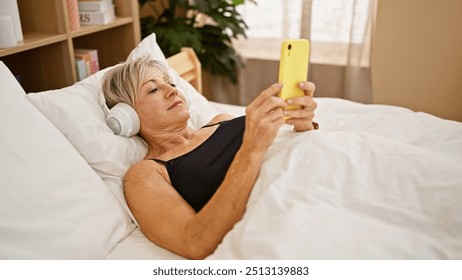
[{"x": 376, "y": 182}]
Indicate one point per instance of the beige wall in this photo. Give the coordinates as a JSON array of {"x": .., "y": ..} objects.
[{"x": 417, "y": 56}]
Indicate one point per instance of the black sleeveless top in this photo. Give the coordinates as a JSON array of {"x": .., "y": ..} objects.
[{"x": 197, "y": 174}]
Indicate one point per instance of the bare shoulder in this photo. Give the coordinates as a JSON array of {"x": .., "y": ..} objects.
[
  {"x": 143, "y": 172},
  {"x": 140, "y": 167},
  {"x": 159, "y": 209}
]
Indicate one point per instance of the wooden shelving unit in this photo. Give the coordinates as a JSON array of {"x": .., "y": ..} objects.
[{"x": 45, "y": 59}]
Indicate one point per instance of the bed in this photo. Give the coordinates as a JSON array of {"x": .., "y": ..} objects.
[{"x": 375, "y": 182}]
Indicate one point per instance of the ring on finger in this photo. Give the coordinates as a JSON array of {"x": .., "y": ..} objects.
[{"x": 315, "y": 125}]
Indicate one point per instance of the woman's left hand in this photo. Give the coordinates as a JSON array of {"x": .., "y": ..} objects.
[{"x": 302, "y": 117}]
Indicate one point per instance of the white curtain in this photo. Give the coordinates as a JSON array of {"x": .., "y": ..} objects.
[{"x": 340, "y": 32}]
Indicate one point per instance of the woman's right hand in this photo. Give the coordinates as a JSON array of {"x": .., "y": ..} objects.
[{"x": 264, "y": 117}]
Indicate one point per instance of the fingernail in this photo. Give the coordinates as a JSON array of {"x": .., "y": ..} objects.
[{"x": 301, "y": 84}]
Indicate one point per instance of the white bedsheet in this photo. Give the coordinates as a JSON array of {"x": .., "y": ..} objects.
[{"x": 376, "y": 182}]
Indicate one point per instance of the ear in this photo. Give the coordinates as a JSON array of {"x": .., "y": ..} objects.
[{"x": 123, "y": 120}]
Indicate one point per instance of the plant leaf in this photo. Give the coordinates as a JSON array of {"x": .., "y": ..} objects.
[{"x": 176, "y": 29}]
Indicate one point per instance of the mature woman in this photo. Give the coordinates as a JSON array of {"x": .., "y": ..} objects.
[{"x": 192, "y": 186}]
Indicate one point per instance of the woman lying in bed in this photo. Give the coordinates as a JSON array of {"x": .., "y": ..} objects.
[{"x": 192, "y": 186}]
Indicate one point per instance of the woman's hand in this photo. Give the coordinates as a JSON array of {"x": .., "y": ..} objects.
[
  {"x": 302, "y": 117},
  {"x": 264, "y": 117}
]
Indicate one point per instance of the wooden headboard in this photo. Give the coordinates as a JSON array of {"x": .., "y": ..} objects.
[{"x": 188, "y": 67}]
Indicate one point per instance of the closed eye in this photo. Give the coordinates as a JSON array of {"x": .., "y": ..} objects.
[{"x": 153, "y": 90}]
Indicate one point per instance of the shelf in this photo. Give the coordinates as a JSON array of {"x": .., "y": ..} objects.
[
  {"x": 39, "y": 39},
  {"x": 32, "y": 41},
  {"x": 45, "y": 59},
  {"x": 89, "y": 29}
]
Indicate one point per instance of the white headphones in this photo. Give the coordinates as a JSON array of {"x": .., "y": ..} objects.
[{"x": 124, "y": 121}]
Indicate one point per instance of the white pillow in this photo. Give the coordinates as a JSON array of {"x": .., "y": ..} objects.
[
  {"x": 78, "y": 113},
  {"x": 53, "y": 205}
]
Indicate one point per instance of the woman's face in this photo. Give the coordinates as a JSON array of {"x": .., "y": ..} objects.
[{"x": 158, "y": 104}]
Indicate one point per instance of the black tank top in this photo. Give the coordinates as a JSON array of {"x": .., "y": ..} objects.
[{"x": 197, "y": 174}]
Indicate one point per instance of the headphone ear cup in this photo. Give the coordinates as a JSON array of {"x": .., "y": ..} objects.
[{"x": 123, "y": 120}]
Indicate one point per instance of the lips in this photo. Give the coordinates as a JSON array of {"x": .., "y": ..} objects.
[{"x": 176, "y": 103}]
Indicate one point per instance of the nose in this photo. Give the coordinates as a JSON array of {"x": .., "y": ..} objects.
[{"x": 171, "y": 90}]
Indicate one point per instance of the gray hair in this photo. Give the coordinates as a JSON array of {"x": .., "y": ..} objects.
[{"x": 122, "y": 83}]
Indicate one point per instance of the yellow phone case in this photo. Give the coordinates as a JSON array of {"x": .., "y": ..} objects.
[{"x": 293, "y": 67}]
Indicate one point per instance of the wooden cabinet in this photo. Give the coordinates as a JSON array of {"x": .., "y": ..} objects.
[{"x": 45, "y": 59}]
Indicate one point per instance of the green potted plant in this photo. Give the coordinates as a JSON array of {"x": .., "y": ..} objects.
[{"x": 207, "y": 26}]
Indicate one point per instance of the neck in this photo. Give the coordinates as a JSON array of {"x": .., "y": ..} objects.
[{"x": 160, "y": 142}]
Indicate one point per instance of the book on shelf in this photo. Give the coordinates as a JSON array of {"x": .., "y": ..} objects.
[
  {"x": 90, "y": 57},
  {"x": 97, "y": 17},
  {"x": 73, "y": 12},
  {"x": 95, "y": 6},
  {"x": 81, "y": 69}
]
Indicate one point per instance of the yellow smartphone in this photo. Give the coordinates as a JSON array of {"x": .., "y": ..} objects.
[{"x": 293, "y": 67}]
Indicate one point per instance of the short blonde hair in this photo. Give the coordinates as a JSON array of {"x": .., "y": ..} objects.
[{"x": 122, "y": 83}]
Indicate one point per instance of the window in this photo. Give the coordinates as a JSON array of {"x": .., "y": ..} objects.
[
  {"x": 336, "y": 28},
  {"x": 269, "y": 23},
  {"x": 273, "y": 19},
  {"x": 339, "y": 21}
]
